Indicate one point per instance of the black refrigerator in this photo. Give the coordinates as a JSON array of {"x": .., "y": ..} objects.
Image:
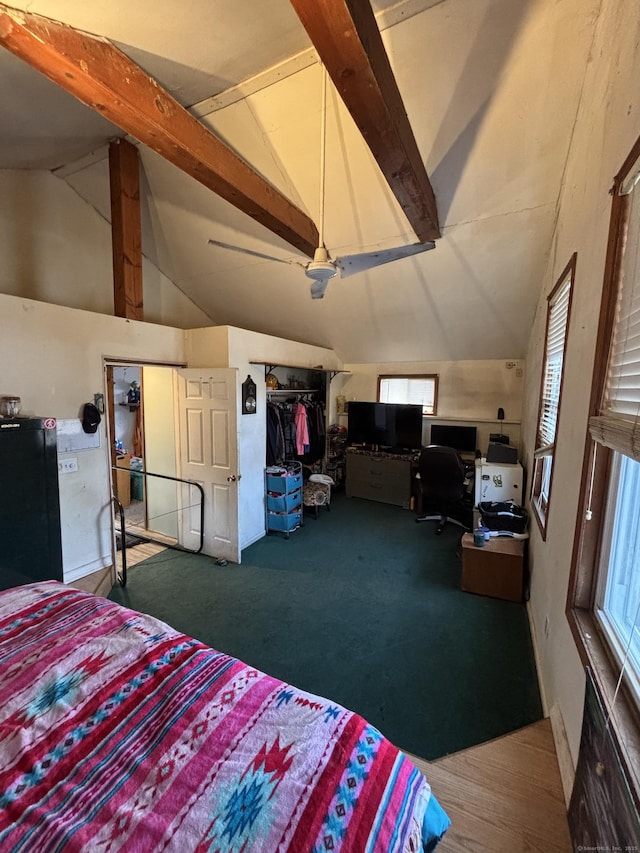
[{"x": 30, "y": 542}]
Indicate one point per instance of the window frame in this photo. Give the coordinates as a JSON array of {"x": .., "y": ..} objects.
[
  {"x": 431, "y": 376},
  {"x": 540, "y": 498},
  {"x": 616, "y": 643},
  {"x": 597, "y": 467}
]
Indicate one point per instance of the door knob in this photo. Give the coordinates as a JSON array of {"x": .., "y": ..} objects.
[{"x": 233, "y": 478}]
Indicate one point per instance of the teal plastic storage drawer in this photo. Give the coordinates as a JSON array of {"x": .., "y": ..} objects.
[
  {"x": 283, "y": 498},
  {"x": 284, "y": 503},
  {"x": 283, "y": 484},
  {"x": 283, "y": 520}
]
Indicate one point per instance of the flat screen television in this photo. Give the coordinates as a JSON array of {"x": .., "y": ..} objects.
[
  {"x": 386, "y": 425},
  {"x": 463, "y": 438}
]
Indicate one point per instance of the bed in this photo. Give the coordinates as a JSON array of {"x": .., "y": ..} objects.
[{"x": 119, "y": 733}]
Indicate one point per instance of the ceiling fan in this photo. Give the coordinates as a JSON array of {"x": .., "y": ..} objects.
[{"x": 323, "y": 268}]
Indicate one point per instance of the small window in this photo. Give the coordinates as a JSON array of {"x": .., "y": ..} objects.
[
  {"x": 418, "y": 390},
  {"x": 559, "y": 307}
]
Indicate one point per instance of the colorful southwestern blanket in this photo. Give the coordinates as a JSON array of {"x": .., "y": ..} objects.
[{"x": 119, "y": 733}]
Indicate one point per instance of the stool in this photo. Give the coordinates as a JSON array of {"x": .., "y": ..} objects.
[{"x": 316, "y": 494}]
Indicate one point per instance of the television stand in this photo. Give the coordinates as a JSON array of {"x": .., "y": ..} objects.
[{"x": 380, "y": 476}]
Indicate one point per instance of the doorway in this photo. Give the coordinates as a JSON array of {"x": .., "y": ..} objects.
[
  {"x": 142, "y": 438},
  {"x": 125, "y": 382},
  {"x": 177, "y": 423}
]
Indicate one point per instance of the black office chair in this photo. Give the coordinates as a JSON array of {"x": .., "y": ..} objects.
[{"x": 443, "y": 484}]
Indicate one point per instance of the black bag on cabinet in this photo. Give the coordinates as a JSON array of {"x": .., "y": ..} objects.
[{"x": 503, "y": 515}]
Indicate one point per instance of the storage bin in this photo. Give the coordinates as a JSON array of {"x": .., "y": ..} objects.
[
  {"x": 137, "y": 486},
  {"x": 284, "y": 503},
  {"x": 283, "y": 484},
  {"x": 137, "y": 479},
  {"x": 286, "y": 521}
]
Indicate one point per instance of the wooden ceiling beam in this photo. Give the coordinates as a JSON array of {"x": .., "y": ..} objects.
[
  {"x": 126, "y": 230},
  {"x": 348, "y": 41},
  {"x": 101, "y": 76}
]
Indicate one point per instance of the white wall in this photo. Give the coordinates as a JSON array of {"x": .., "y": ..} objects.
[
  {"x": 56, "y": 248},
  {"x": 467, "y": 390},
  {"x": 52, "y": 357},
  {"x": 607, "y": 125},
  {"x": 227, "y": 346}
]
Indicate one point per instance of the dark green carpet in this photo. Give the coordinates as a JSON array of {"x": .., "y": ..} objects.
[{"x": 362, "y": 606}]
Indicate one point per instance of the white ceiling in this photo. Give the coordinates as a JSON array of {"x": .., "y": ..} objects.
[{"x": 491, "y": 88}]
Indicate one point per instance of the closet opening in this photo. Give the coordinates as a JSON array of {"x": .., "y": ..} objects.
[
  {"x": 128, "y": 444},
  {"x": 142, "y": 437}
]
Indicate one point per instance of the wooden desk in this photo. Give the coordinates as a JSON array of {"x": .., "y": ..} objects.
[{"x": 496, "y": 569}]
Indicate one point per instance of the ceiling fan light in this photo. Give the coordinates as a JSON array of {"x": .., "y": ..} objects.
[{"x": 318, "y": 288}]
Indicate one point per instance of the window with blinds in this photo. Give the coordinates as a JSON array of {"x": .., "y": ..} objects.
[
  {"x": 604, "y": 587},
  {"x": 417, "y": 390},
  {"x": 617, "y": 599},
  {"x": 558, "y": 308},
  {"x": 618, "y": 424}
]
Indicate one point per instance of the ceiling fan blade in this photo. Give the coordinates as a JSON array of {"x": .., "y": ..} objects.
[
  {"x": 264, "y": 257},
  {"x": 351, "y": 264}
]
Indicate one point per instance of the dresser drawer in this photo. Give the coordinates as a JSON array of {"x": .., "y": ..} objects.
[
  {"x": 284, "y": 503},
  {"x": 379, "y": 478},
  {"x": 286, "y": 521}
]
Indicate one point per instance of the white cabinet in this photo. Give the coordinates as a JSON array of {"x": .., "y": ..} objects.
[{"x": 496, "y": 481}]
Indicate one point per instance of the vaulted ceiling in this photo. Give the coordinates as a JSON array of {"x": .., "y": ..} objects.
[{"x": 490, "y": 89}]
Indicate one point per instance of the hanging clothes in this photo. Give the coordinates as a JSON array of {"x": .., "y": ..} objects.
[
  {"x": 275, "y": 435},
  {"x": 302, "y": 430},
  {"x": 295, "y": 430}
]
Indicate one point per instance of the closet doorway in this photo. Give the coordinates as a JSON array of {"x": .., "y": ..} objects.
[
  {"x": 143, "y": 438},
  {"x": 184, "y": 425}
]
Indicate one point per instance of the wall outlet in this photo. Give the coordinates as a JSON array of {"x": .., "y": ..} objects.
[{"x": 67, "y": 466}]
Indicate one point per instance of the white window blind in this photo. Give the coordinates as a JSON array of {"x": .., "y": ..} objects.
[
  {"x": 418, "y": 390},
  {"x": 618, "y": 426},
  {"x": 556, "y": 335}
]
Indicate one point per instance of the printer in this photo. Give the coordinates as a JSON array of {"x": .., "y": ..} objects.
[{"x": 502, "y": 453}]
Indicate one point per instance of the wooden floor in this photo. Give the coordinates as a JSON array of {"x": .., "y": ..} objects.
[
  {"x": 139, "y": 553},
  {"x": 504, "y": 796}
]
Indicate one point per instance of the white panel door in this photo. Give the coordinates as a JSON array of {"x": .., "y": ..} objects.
[{"x": 208, "y": 454}]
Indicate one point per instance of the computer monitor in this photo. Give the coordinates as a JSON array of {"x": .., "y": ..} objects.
[{"x": 462, "y": 438}]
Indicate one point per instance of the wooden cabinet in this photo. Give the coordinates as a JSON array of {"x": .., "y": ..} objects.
[
  {"x": 123, "y": 480},
  {"x": 496, "y": 569},
  {"x": 379, "y": 477}
]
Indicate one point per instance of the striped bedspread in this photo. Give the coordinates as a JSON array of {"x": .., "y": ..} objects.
[{"x": 119, "y": 733}]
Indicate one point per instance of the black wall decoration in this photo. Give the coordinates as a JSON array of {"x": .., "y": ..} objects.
[{"x": 248, "y": 396}]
